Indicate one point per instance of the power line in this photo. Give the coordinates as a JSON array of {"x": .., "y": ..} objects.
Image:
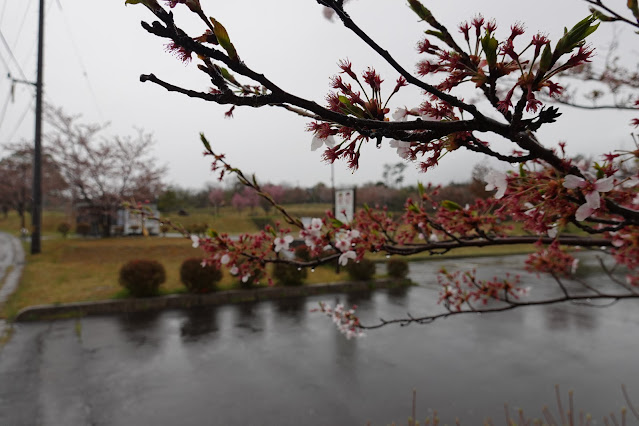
[
  {"x": 4, "y": 62},
  {"x": 4, "y": 6},
  {"x": 24, "y": 18},
  {"x": 24, "y": 114},
  {"x": 4, "y": 41},
  {"x": 4, "y": 107},
  {"x": 76, "y": 50}
]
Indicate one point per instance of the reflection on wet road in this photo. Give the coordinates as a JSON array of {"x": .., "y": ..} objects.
[{"x": 275, "y": 363}]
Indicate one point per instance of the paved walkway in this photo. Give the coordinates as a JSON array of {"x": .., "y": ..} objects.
[
  {"x": 11, "y": 257},
  {"x": 11, "y": 254}
]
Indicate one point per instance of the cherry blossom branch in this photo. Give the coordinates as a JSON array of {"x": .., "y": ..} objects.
[
  {"x": 427, "y": 319},
  {"x": 548, "y": 192},
  {"x": 495, "y": 241},
  {"x": 613, "y": 16},
  {"x": 595, "y": 107},
  {"x": 278, "y": 95}
]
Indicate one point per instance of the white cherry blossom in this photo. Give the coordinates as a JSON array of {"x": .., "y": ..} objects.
[
  {"x": 343, "y": 258},
  {"x": 317, "y": 142},
  {"x": 403, "y": 148},
  {"x": 496, "y": 180},
  {"x": 282, "y": 243},
  {"x": 593, "y": 200}
]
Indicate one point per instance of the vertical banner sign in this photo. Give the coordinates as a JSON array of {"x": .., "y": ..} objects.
[{"x": 344, "y": 204}]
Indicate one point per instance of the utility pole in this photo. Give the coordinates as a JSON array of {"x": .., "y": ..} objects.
[{"x": 36, "y": 212}]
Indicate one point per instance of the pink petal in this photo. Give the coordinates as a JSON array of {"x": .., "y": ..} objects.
[{"x": 584, "y": 212}]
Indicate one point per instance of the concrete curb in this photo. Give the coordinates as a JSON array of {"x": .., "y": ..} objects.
[{"x": 183, "y": 301}]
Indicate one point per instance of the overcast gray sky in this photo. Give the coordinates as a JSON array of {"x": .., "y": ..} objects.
[{"x": 96, "y": 50}]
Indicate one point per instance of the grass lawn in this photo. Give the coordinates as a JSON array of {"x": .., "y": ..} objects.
[
  {"x": 227, "y": 220},
  {"x": 78, "y": 269},
  {"x": 50, "y": 222},
  {"x": 231, "y": 221}
]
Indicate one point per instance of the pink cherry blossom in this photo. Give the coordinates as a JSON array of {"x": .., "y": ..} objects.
[{"x": 196, "y": 241}]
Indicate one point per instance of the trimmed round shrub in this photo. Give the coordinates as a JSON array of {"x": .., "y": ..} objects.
[
  {"x": 197, "y": 278},
  {"x": 197, "y": 228},
  {"x": 64, "y": 228},
  {"x": 142, "y": 278},
  {"x": 83, "y": 229},
  {"x": 164, "y": 229},
  {"x": 397, "y": 267},
  {"x": 289, "y": 275},
  {"x": 361, "y": 271}
]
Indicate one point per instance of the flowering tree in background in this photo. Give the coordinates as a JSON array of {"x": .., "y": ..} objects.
[
  {"x": 16, "y": 180},
  {"x": 546, "y": 192},
  {"x": 216, "y": 198},
  {"x": 277, "y": 194},
  {"x": 102, "y": 172},
  {"x": 245, "y": 199}
]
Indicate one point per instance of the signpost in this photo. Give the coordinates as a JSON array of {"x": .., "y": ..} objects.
[{"x": 345, "y": 204}]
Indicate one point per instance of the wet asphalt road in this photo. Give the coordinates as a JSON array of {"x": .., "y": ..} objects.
[{"x": 275, "y": 363}]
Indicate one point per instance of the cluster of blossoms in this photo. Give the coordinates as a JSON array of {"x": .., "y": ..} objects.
[
  {"x": 344, "y": 319},
  {"x": 545, "y": 202},
  {"x": 463, "y": 288},
  {"x": 552, "y": 260},
  {"x": 355, "y": 102}
]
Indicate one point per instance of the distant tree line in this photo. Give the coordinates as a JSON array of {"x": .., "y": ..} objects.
[{"x": 386, "y": 193}]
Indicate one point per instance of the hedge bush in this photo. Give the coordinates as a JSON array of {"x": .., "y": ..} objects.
[
  {"x": 142, "y": 278},
  {"x": 289, "y": 275},
  {"x": 361, "y": 271},
  {"x": 397, "y": 267},
  {"x": 197, "y": 278},
  {"x": 164, "y": 229},
  {"x": 302, "y": 252},
  {"x": 64, "y": 228}
]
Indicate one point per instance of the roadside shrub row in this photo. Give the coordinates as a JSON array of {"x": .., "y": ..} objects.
[{"x": 142, "y": 278}]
